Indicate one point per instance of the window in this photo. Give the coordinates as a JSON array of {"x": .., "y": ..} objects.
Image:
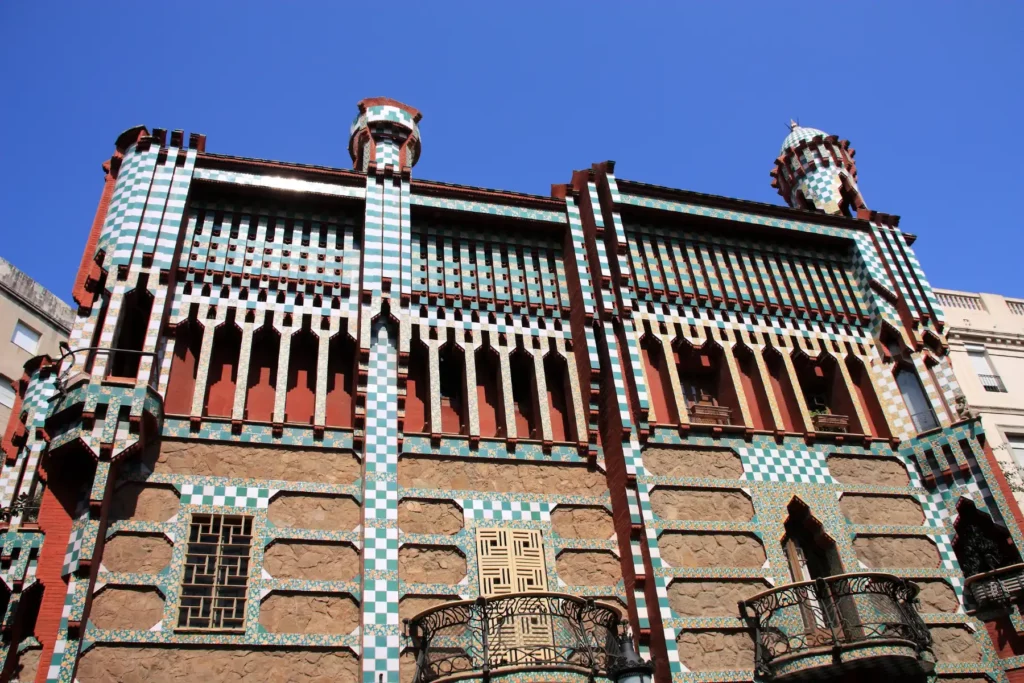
[
  {"x": 983, "y": 367},
  {"x": 920, "y": 408},
  {"x": 6, "y": 392},
  {"x": 1016, "y": 445},
  {"x": 25, "y": 337},
  {"x": 216, "y": 572}
]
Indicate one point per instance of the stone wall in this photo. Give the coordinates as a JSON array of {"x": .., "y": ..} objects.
[
  {"x": 582, "y": 522},
  {"x": 896, "y": 552},
  {"x": 701, "y": 504},
  {"x": 722, "y": 650},
  {"x": 311, "y": 560},
  {"x": 309, "y": 511},
  {"x": 27, "y": 665},
  {"x": 711, "y": 597},
  {"x": 124, "y": 607},
  {"x": 870, "y": 509},
  {"x": 701, "y": 549},
  {"x": 868, "y": 469},
  {"x": 411, "y": 605},
  {"x": 936, "y": 596},
  {"x": 462, "y": 474},
  {"x": 125, "y": 664},
  {"x": 144, "y": 502},
  {"x": 429, "y": 517},
  {"x": 692, "y": 462},
  {"x": 954, "y": 645},
  {"x": 221, "y": 459},
  {"x": 588, "y": 568},
  {"x": 424, "y": 564},
  {"x": 309, "y": 613},
  {"x": 137, "y": 553}
]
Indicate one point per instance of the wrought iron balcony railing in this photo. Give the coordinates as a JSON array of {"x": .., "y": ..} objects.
[
  {"x": 992, "y": 383},
  {"x": 998, "y": 588},
  {"x": 827, "y": 615},
  {"x": 534, "y": 631},
  {"x": 828, "y": 422}
]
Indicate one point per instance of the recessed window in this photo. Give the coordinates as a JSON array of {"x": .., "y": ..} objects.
[
  {"x": 1016, "y": 445},
  {"x": 216, "y": 573},
  {"x": 25, "y": 337},
  {"x": 6, "y": 392},
  {"x": 990, "y": 379}
]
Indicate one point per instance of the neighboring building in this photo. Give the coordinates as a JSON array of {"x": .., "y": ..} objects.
[
  {"x": 33, "y": 321},
  {"x": 328, "y": 401},
  {"x": 986, "y": 340}
]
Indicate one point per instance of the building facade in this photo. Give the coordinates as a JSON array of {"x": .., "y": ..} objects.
[
  {"x": 33, "y": 321},
  {"x": 353, "y": 425}
]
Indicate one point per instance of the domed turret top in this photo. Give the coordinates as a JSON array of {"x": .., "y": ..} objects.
[{"x": 798, "y": 134}]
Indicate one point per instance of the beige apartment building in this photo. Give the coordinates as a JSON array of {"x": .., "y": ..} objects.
[
  {"x": 33, "y": 321},
  {"x": 986, "y": 338}
]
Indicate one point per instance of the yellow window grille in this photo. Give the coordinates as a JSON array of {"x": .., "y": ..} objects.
[{"x": 216, "y": 573}]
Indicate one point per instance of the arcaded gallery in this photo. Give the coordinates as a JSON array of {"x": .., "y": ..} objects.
[{"x": 344, "y": 424}]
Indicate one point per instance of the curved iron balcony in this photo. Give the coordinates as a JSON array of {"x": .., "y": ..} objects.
[
  {"x": 998, "y": 588},
  {"x": 837, "y": 624},
  {"x": 515, "y": 632}
]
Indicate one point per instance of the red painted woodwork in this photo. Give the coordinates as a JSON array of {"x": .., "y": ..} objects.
[
  {"x": 873, "y": 413},
  {"x": 131, "y": 334},
  {"x": 88, "y": 269},
  {"x": 340, "y": 381},
  {"x": 822, "y": 376},
  {"x": 785, "y": 396},
  {"x": 452, "y": 383},
  {"x": 704, "y": 376},
  {"x": 219, "y": 400},
  {"x": 556, "y": 376},
  {"x": 417, "y": 389},
  {"x": 300, "y": 401},
  {"x": 659, "y": 386},
  {"x": 1005, "y": 639},
  {"x": 262, "y": 381},
  {"x": 524, "y": 387},
  {"x": 488, "y": 392},
  {"x": 754, "y": 389},
  {"x": 181, "y": 384}
]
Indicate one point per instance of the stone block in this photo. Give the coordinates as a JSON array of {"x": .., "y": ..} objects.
[
  {"x": 105, "y": 663},
  {"x": 313, "y": 511},
  {"x": 247, "y": 461},
  {"x": 711, "y": 597},
  {"x": 144, "y": 502},
  {"x": 309, "y": 613},
  {"x": 868, "y": 469},
  {"x": 588, "y": 568},
  {"x": 136, "y": 553},
  {"x": 135, "y": 608},
  {"x": 896, "y": 552},
  {"x": 936, "y": 596},
  {"x": 954, "y": 645},
  {"x": 711, "y": 549},
  {"x": 582, "y": 522},
  {"x": 411, "y": 605},
  {"x": 462, "y": 474},
  {"x": 429, "y": 517},
  {"x": 724, "y": 650},
  {"x": 312, "y": 560},
  {"x": 27, "y": 665},
  {"x": 665, "y": 461},
  {"x": 701, "y": 504},
  {"x": 429, "y": 564},
  {"x": 869, "y": 509}
]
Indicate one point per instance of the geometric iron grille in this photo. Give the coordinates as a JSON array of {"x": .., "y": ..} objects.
[{"x": 216, "y": 572}]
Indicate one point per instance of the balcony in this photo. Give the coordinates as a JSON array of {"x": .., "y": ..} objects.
[
  {"x": 823, "y": 629},
  {"x": 701, "y": 413},
  {"x": 829, "y": 422},
  {"x": 996, "y": 589},
  {"x": 992, "y": 383},
  {"x": 521, "y": 631}
]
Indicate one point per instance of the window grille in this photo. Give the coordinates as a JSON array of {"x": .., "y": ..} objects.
[{"x": 216, "y": 573}]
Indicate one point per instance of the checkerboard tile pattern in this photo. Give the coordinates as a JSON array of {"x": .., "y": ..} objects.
[
  {"x": 505, "y": 510},
  {"x": 785, "y": 465},
  {"x": 226, "y": 496}
]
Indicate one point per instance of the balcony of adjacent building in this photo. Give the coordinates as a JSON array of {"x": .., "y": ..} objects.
[
  {"x": 506, "y": 636},
  {"x": 827, "y": 625},
  {"x": 989, "y": 559}
]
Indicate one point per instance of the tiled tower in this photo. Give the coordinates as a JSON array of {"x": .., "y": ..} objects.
[{"x": 328, "y": 424}]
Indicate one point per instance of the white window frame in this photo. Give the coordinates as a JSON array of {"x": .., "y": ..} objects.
[
  {"x": 1015, "y": 444},
  {"x": 21, "y": 329},
  {"x": 7, "y": 394}
]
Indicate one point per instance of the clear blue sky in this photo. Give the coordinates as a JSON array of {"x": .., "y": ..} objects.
[{"x": 693, "y": 95}]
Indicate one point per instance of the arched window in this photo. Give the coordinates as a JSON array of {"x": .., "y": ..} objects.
[
  {"x": 417, "y": 390},
  {"x": 181, "y": 385},
  {"x": 753, "y": 387},
  {"x": 300, "y": 401},
  {"x": 451, "y": 363},
  {"x": 659, "y": 386},
  {"x": 524, "y": 388},
  {"x": 340, "y": 381},
  {"x": 918, "y": 405},
  {"x": 262, "y": 381},
  {"x": 136, "y": 308},
  {"x": 782, "y": 387},
  {"x": 556, "y": 377},
  {"x": 222, "y": 378},
  {"x": 490, "y": 407}
]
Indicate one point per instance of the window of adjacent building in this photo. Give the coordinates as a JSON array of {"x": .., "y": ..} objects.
[
  {"x": 917, "y": 402},
  {"x": 25, "y": 337},
  {"x": 6, "y": 392},
  {"x": 216, "y": 572},
  {"x": 983, "y": 367},
  {"x": 1016, "y": 445}
]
